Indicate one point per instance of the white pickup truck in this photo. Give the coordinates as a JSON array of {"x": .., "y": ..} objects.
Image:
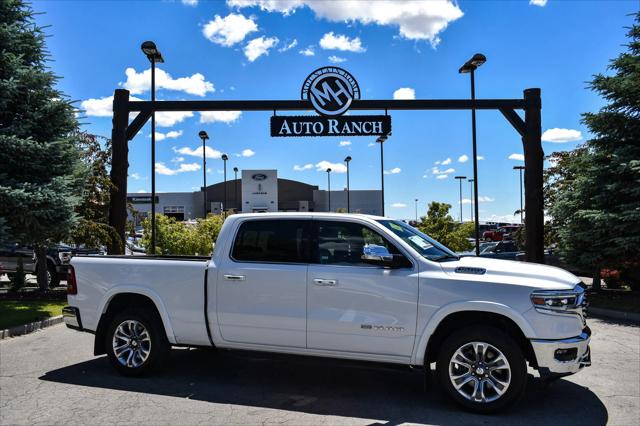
[{"x": 345, "y": 286}]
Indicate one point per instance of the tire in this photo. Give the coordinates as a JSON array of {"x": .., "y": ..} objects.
[
  {"x": 510, "y": 377},
  {"x": 53, "y": 277},
  {"x": 145, "y": 352}
]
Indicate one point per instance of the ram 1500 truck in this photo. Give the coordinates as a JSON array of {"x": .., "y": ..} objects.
[{"x": 345, "y": 286}]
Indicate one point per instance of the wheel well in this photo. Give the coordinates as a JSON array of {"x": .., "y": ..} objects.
[
  {"x": 459, "y": 320},
  {"x": 117, "y": 304}
]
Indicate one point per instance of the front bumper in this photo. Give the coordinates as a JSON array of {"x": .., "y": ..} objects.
[
  {"x": 563, "y": 357},
  {"x": 72, "y": 318}
]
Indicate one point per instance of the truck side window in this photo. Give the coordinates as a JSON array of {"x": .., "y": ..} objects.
[
  {"x": 278, "y": 241},
  {"x": 342, "y": 243}
]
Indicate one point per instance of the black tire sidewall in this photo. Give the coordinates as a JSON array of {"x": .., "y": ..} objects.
[
  {"x": 506, "y": 345},
  {"x": 54, "y": 280},
  {"x": 159, "y": 344}
]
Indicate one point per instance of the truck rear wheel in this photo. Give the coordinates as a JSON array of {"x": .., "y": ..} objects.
[
  {"x": 136, "y": 342},
  {"x": 482, "y": 369}
]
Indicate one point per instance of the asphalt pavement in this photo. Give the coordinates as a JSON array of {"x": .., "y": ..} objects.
[{"x": 51, "y": 377}]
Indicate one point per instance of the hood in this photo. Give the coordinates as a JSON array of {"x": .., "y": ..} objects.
[{"x": 533, "y": 275}]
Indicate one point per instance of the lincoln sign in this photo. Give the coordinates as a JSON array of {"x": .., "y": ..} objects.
[{"x": 331, "y": 91}]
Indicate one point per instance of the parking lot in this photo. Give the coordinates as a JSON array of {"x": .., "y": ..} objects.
[{"x": 51, "y": 377}]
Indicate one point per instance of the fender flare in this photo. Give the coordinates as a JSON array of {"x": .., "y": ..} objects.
[
  {"x": 143, "y": 291},
  {"x": 434, "y": 321}
]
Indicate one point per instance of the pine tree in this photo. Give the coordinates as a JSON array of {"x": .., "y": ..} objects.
[
  {"x": 596, "y": 209},
  {"x": 39, "y": 159}
]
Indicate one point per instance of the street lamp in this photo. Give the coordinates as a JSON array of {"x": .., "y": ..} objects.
[
  {"x": 416, "y": 200},
  {"x": 204, "y": 136},
  {"x": 329, "y": 187},
  {"x": 460, "y": 178},
  {"x": 235, "y": 188},
  {"x": 225, "y": 158},
  {"x": 470, "y": 67},
  {"x": 472, "y": 203},
  {"x": 348, "y": 160},
  {"x": 153, "y": 54},
  {"x": 520, "y": 168},
  {"x": 381, "y": 140}
]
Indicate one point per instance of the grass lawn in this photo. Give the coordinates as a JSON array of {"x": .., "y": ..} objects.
[{"x": 14, "y": 312}]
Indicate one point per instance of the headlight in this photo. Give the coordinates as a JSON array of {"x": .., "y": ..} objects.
[{"x": 559, "y": 300}]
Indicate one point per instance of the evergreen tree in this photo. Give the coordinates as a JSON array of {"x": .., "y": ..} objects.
[
  {"x": 596, "y": 204},
  {"x": 39, "y": 158}
]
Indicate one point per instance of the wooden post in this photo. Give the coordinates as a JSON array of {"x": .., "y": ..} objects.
[
  {"x": 119, "y": 168},
  {"x": 533, "y": 177}
]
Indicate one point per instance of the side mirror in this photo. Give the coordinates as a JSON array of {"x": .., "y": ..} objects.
[{"x": 379, "y": 255}]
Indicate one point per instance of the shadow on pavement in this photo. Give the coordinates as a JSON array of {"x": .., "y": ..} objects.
[{"x": 391, "y": 395}]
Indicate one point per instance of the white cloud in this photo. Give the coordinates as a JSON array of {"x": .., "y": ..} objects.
[
  {"x": 541, "y": 3},
  {"x": 135, "y": 176},
  {"x": 399, "y": 205},
  {"x": 162, "y": 169},
  {"x": 331, "y": 41},
  {"x": 416, "y": 20},
  {"x": 101, "y": 107},
  {"x": 437, "y": 171},
  {"x": 404, "y": 93},
  {"x": 370, "y": 144},
  {"x": 557, "y": 135},
  {"x": 307, "y": 166},
  {"x": 393, "y": 171},
  {"x": 308, "y": 51},
  {"x": 190, "y": 2},
  {"x": 209, "y": 152},
  {"x": 481, "y": 199},
  {"x": 517, "y": 157},
  {"x": 170, "y": 135},
  {"x": 258, "y": 47},
  {"x": 177, "y": 159},
  {"x": 289, "y": 46},
  {"x": 170, "y": 118},
  {"x": 219, "y": 116},
  {"x": 229, "y": 30},
  {"x": 479, "y": 157},
  {"x": 345, "y": 143},
  {"x": 322, "y": 166},
  {"x": 463, "y": 158},
  {"x": 248, "y": 153},
  {"x": 141, "y": 191},
  {"x": 446, "y": 162},
  {"x": 442, "y": 176},
  {"x": 337, "y": 59},
  {"x": 141, "y": 82}
]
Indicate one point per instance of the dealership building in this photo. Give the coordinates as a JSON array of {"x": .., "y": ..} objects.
[{"x": 257, "y": 191}]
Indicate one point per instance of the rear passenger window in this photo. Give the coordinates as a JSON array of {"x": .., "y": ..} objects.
[{"x": 279, "y": 241}]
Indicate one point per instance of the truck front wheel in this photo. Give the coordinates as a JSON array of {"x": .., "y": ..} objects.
[
  {"x": 482, "y": 369},
  {"x": 136, "y": 342}
]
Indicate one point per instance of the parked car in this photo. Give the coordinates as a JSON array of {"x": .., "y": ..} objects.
[
  {"x": 500, "y": 234},
  {"x": 345, "y": 286},
  {"x": 58, "y": 257}
]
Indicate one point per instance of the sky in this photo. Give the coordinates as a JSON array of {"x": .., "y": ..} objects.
[{"x": 264, "y": 49}]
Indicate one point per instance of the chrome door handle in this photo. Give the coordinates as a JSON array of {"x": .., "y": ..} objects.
[
  {"x": 325, "y": 283},
  {"x": 234, "y": 277}
]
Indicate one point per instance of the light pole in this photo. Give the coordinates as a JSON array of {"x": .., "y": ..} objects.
[
  {"x": 203, "y": 135},
  {"x": 472, "y": 199},
  {"x": 235, "y": 188},
  {"x": 469, "y": 67},
  {"x": 416, "y": 200},
  {"x": 460, "y": 178},
  {"x": 329, "y": 187},
  {"x": 224, "y": 159},
  {"x": 153, "y": 54},
  {"x": 520, "y": 168},
  {"x": 381, "y": 140},
  {"x": 348, "y": 160}
]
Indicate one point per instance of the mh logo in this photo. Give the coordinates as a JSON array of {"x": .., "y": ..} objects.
[{"x": 330, "y": 90}]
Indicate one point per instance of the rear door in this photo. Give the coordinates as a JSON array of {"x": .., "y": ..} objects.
[
  {"x": 354, "y": 306},
  {"x": 261, "y": 290}
]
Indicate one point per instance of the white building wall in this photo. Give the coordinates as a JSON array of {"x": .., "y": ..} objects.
[{"x": 259, "y": 190}]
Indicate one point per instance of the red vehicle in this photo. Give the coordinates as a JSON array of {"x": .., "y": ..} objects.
[{"x": 502, "y": 233}]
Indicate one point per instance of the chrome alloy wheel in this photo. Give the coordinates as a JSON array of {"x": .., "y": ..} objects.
[
  {"x": 131, "y": 343},
  {"x": 479, "y": 372}
]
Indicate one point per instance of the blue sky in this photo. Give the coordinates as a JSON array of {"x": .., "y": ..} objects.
[{"x": 264, "y": 49}]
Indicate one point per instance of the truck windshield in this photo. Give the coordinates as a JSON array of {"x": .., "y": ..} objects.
[{"x": 422, "y": 243}]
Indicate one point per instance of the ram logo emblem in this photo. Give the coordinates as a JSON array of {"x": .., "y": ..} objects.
[{"x": 382, "y": 327}]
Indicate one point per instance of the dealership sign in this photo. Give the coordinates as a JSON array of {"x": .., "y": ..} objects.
[{"x": 331, "y": 90}]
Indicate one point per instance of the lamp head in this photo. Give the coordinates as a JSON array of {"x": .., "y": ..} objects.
[
  {"x": 346, "y": 160},
  {"x": 235, "y": 169},
  {"x": 460, "y": 177},
  {"x": 329, "y": 170},
  {"x": 203, "y": 135},
  {"x": 224, "y": 157},
  {"x": 151, "y": 51}
]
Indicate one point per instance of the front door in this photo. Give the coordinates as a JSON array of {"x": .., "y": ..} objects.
[
  {"x": 261, "y": 286},
  {"x": 354, "y": 306}
]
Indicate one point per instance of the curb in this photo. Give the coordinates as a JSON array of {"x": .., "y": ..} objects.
[
  {"x": 19, "y": 330},
  {"x": 613, "y": 314}
]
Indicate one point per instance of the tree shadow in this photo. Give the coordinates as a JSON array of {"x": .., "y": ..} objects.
[{"x": 390, "y": 394}]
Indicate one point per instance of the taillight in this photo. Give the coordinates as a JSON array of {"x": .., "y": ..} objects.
[{"x": 72, "y": 286}]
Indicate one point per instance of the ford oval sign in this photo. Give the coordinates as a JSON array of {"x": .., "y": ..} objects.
[
  {"x": 259, "y": 176},
  {"x": 330, "y": 90}
]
